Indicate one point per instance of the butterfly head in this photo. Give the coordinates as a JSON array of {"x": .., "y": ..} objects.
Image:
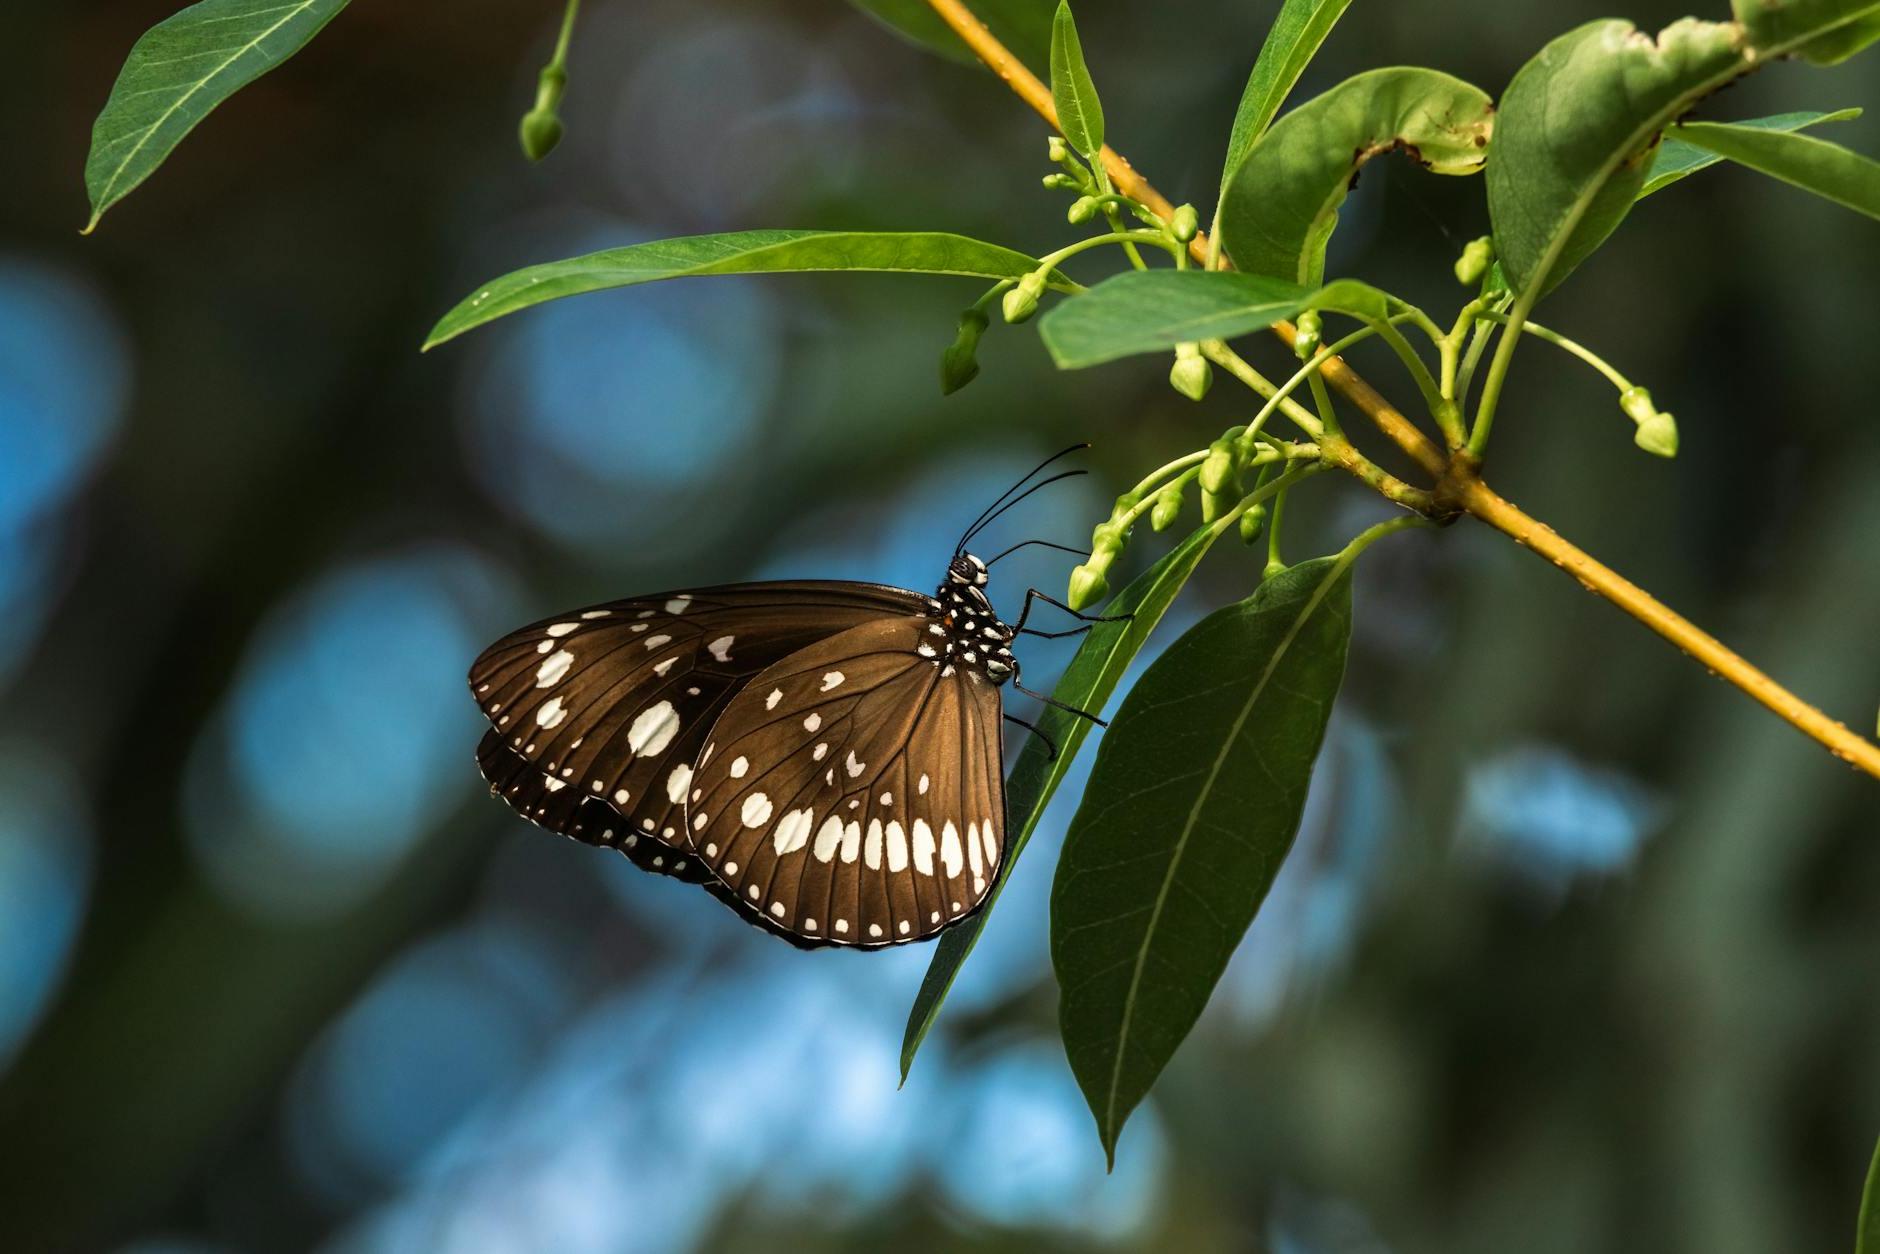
[{"x": 967, "y": 570}]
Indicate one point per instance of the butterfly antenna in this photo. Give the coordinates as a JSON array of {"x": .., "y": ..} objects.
[
  {"x": 1062, "y": 548},
  {"x": 990, "y": 518},
  {"x": 984, "y": 516}
]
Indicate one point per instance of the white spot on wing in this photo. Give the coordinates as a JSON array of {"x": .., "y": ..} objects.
[
  {"x": 553, "y": 671},
  {"x": 831, "y": 679},
  {"x": 924, "y": 781},
  {"x": 756, "y": 811},
  {"x": 776, "y": 909},
  {"x": 828, "y": 839},
  {"x": 793, "y": 832},
  {"x": 897, "y": 847},
  {"x": 972, "y": 849},
  {"x": 990, "y": 837},
  {"x": 811, "y": 723},
  {"x": 596, "y": 613},
  {"x": 855, "y": 765},
  {"x": 818, "y": 753},
  {"x": 871, "y": 847},
  {"x": 721, "y": 648},
  {"x": 851, "y": 841},
  {"x": 653, "y": 730},
  {"x": 874, "y": 929},
  {"x": 679, "y": 605},
  {"x": 664, "y": 666},
  {"x": 561, "y": 629},
  {"x": 620, "y": 796},
  {"x": 676, "y": 783},
  {"x": 923, "y": 847},
  {"x": 551, "y": 713},
  {"x": 654, "y": 642},
  {"x": 776, "y": 695},
  {"x": 950, "y": 853}
]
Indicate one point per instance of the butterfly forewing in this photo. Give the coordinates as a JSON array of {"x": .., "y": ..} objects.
[
  {"x": 852, "y": 792},
  {"x": 612, "y": 704}
]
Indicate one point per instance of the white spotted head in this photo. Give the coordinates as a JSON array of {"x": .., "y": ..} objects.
[{"x": 967, "y": 569}]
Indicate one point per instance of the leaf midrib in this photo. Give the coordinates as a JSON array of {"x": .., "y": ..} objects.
[
  {"x": 110, "y": 184},
  {"x": 1181, "y": 843}
]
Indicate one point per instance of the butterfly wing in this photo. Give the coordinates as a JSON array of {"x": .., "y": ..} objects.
[
  {"x": 853, "y": 793},
  {"x": 606, "y": 708}
]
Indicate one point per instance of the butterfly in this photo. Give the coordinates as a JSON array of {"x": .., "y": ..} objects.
[{"x": 824, "y": 757}]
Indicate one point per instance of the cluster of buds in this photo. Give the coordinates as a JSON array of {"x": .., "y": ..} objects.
[
  {"x": 1657, "y": 431},
  {"x": 1090, "y": 581},
  {"x": 1222, "y": 470}
]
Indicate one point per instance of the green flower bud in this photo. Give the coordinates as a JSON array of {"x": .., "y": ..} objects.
[
  {"x": 1088, "y": 586},
  {"x": 1220, "y": 469},
  {"x": 1057, "y": 150},
  {"x": 1184, "y": 223},
  {"x": 959, "y": 365},
  {"x": 1022, "y": 301},
  {"x": 1060, "y": 183},
  {"x": 1658, "y": 435},
  {"x": 1637, "y": 403},
  {"x": 1082, "y": 210},
  {"x": 1475, "y": 261},
  {"x": 1106, "y": 541},
  {"x": 1190, "y": 375},
  {"x": 541, "y": 131},
  {"x": 1310, "y": 333},
  {"x": 1252, "y": 523},
  {"x": 1216, "y": 504},
  {"x": 1167, "y": 508}
]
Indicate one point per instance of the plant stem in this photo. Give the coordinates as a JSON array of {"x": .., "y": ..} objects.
[
  {"x": 567, "y": 33},
  {"x": 1125, "y": 238},
  {"x": 1460, "y": 482},
  {"x": 1227, "y": 359},
  {"x": 1560, "y": 341}
]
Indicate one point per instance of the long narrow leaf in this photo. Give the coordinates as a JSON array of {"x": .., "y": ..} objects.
[
  {"x": 1814, "y": 165},
  {"x": 1678, "y": 160},
  {"x": 1088, "y": 683},
  {"x": 737, "y": 252},
  {"x": 1193, "y": 803},
  {"x": 1073, "y": 93},
  {"x": 1301, "y": 27},
  {"x": 180, "y": 70}
]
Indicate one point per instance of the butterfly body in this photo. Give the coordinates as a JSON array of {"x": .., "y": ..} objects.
[{"x": 825, "y": 757}]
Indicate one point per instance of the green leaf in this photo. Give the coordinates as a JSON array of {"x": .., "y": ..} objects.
[
  {"x": 181, "y": 69},
  {"x": 1192, "y": 805},
  {"x": 1867, "y": 1231},
  {"x": 1297, "y": 33},
  {"x": 1151, "y": 311},
  {"x": 1814, "y": 165},
  {"x": 1087, "y": 683},
  {"x": 1678, "y": 160},
  {"x": 1823, "y": 31},
  {"x": 1575, "y": 137},
  {"x": 1073, "y": 94},
  {"x": 1282, "y": 199},
  {"x": 736, "y": 252},
  {"x": 1023, "y": 26}
]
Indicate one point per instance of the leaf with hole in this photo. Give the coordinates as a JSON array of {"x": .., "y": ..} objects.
[
  {"x": 1677, "y": 160},
  {"x": 1281, "y": 201},
  {"x": 178, "y": 72},
  {"x": 1814, "y": 165},
  {"x": 1073, "y": 94},
  {"x": 1192, "y": 805},
  {"x": 736, "y": 252},
  {"x": 1087, "y": 684},
  {"x": 1151, "y": 311}
]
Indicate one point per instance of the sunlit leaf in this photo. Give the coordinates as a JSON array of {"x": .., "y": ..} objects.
[
  {"x": 1575, "y": 137},
  {"x": 1192, "y": 805},
  {"x": 1087, "y": 683},
  {"x": 1073, "y": 94},
  {"x": 180, "y": 70},
  {"x": 1814, "y": 165},
  {"x": 1823, "y": 31},
  {"x": 1151, "y": 311},
  {"x": 736, "y": 252},
  {"x": 1678, "y": 160},
  {"x": 1281, "y": 201},
  {"x": 1302, "y": 25},
  {"x": 1023, "y": 26}
]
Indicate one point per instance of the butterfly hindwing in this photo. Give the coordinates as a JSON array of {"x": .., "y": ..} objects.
[
  {"x": 852, "y": 793},
  {"x": 607, "y": 708}
]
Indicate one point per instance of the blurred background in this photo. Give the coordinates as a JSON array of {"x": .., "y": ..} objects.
[{"x": 1576, "y": 951}]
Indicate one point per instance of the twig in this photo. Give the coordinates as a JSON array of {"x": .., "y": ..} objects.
[{"x": 1459, "y": 484}]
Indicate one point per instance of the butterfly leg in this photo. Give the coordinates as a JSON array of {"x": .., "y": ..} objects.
[
  {"x": 1033, "y": 729},
  {"x": 1052, "y": 701},
  {"x": 1032, "y": 594}
]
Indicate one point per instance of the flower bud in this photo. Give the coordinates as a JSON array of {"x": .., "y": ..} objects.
[
  {"x": 1057, "y": 150},
  {"x": 1106, "y": 541},
  {"x": 1637, "y": 403},
  {"x": 1167, "y": 507},
  {"x": 1252, "y": 523},
  {"x": 1658, "y": 435},
  {"x": 1220, "y": 469},
  {"x": 1216, "y": 504},
  {"x": 1475, "y": 261},
  {"x": 959, "y": 365},
  {"x": 1060, "y": 183},
  {"x": 1088, "y": 586},
  {"x": 1082, "y": 210},
  {"x": 1310, "y": 333},
  {"x": 1184, "y": 223},
  {"x": 541, "y": 130},
  {"x": 1190, "y": 375},
  {"x": 1022, "y": 301}
]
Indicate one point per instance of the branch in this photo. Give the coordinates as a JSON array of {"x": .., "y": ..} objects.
[{"x": 1458, "y": 481}]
